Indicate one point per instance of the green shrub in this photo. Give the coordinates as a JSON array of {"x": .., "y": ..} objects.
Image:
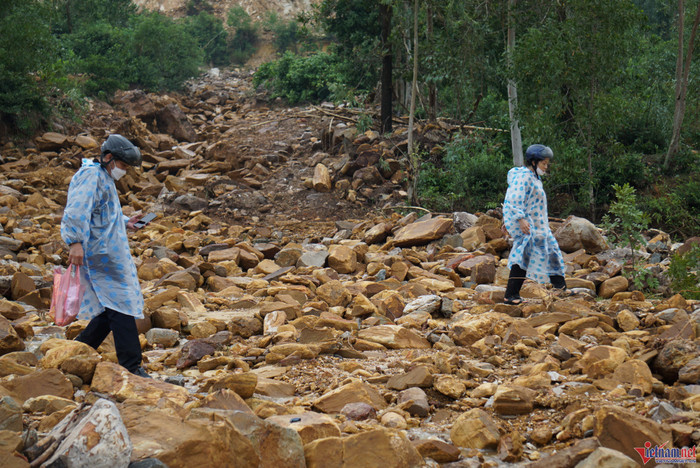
[
  {"x": 471, "y": 176},
  {"x": 26, "y": 47},
  {"x": 684, "y": 271},
  {"x": 286, "y": 32},
  {"x": 103, "y": 54},
  {"x": 209, "y": 32},
  {"x": 625, "y": 223},
  {"x": 165, "y": 54},
  {"x": 245, "y": 38},
  {"x": 299, "y": 79}
]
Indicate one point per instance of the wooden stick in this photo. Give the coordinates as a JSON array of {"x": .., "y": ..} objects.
[{"x": 407, "y": 208}]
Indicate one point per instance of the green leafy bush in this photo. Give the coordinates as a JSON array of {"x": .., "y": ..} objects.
[
  {"x": 103, "y": 54},
  {"x": 684, "y": 271},
  {"x": 625, "y": 223},
  {"x": 209, "y": 32},
  {"x": 243, "y": 42},
  {"x": 165, "y": 54},
  {"x": 300, "y": 79},
  {"x": 471, "y": 175},
  {"x": 26, "y": 47},
  {"x": 286, "y": 32}
]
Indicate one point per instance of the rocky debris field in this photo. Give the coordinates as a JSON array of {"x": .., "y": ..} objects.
[{"x": 295, "y": 319}]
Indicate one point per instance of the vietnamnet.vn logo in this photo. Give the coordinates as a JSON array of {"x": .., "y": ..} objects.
[{"x": 662, "y": 454}]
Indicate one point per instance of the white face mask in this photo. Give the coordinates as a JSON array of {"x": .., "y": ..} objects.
[
  {"x": 540, "y": 172},
  {"x": 117, "y": 173}
]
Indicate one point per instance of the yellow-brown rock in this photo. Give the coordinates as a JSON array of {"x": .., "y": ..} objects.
[
  {"x": 186, "y": 443},
  {"x": 45, "y": 382},
  {"x": 354, "y": 392},
  {"x": 54, "y": 357},
  {"x": 601, "y": 360},
  {"x": 342, "y": 259},
  {"x": 475, "y": 429},
  {"x": 612, "y": 286},
  {"x": 473, "y": 237},
  {"x": 622, "y": 429},
  {"x": 422, "y": 232},
  {"x": 394, "y": 337},
  {"x": 117, "y": 382},
  {"x": 322, "y": 179},
  {"x": 334, "y": 294},
  {"x": 309, "y": 425},
  {"x": 379, "y": 448}
]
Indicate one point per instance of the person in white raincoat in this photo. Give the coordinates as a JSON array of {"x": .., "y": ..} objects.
[
  {"x": 535, "y": 253},
  {"x": 94, "y": 227}
]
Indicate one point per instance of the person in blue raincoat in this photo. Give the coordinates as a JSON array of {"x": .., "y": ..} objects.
[
  {"x": 94, "y": 227},
  {"x": 535, "y": 253}
]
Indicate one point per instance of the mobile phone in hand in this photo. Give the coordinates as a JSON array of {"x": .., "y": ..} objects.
[{"x": 144, "y": 220}]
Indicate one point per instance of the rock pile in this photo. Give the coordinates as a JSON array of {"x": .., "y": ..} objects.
[{"x": 372, "y": 341}]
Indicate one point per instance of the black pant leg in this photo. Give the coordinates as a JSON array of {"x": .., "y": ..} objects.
[
  {"x": 558, "y": 281},
  {"x": 96, "y": 331},
  {"x": 515, "y": 282},
  {"x": 126, "y": 339}
]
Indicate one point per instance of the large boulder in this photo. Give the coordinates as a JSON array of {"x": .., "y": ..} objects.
[
  {"x": 422, "y": 232},
  {"x": 579, "y": 233},
  {"x": 180, "y": 443},
  {"x": 117, "y": 382},
  {"x": 173, "y": 121},
  {"x": 379, "y": 448},
  {"x": 94, "y": 437},
  {"x": 622, "y": 430}
]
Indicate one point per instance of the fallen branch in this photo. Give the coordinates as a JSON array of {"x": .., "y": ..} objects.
[
  {"x": 402, "y": 207},
  {"x": 333, "y": 114}
]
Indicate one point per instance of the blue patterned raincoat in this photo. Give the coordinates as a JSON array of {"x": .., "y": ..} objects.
[
  {"x": 93, "y": 217},
  {"x": 538, "y": 252}
]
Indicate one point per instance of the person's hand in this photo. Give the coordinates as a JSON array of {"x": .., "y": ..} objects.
[
  {"x": 76, "y": 254},
  {"x": 524, "y": 226},
  {"x": 132, "y": 220}
]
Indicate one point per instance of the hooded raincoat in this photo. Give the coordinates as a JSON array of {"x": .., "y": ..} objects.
[
  {"x": 538, "y": 252},
  {"x": 93, "y": 217}
]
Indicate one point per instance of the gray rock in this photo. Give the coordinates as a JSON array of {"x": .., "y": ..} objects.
[
  {"x": 102, "y": 425},
  {"x": 420, "y": 406},
  {"x": 690, "y": 373},
  {"x": 426, "y": 304},
  {"x": 358, "y": 411},
  {"x": 463, "y": 220},
  {"x": 162, "y": 336},
  {"x": 10, "y": 415},
  {"x": 10, "y": 243},
  {"x": 190, "y": 203},
  {"x": 579, "y": 233},
  {"x": 314, "y": 255}
]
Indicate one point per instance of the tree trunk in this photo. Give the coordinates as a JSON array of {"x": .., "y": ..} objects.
[
  {"x": 387, "y": 92},
  {"x": 682, "y": 72},
  {"x": 432, "y": 89},
  {"x": 414, "y": 85},
  {"x": 515, "y": 138}
]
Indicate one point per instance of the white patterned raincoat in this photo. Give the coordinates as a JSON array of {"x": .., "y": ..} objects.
[
  {"x": 538, "y": 252},
  {"x": 93, "y": 217}
]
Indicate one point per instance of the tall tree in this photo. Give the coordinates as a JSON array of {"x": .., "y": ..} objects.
[
  {"x": 515, "y": 138},
  {"x": 411, "y": 115},
  {"x": 387, "y": 63},
  {"x": 572, "y": 66},
  {"x": 682, "y": 72}
]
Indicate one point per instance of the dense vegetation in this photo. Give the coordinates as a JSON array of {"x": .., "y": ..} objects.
[
  {"x": 596, "y": 81},
  {"x": 54, "y": 53}
]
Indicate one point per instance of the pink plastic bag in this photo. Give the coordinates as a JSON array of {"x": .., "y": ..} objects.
[{"x": 67, "y": 294}]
